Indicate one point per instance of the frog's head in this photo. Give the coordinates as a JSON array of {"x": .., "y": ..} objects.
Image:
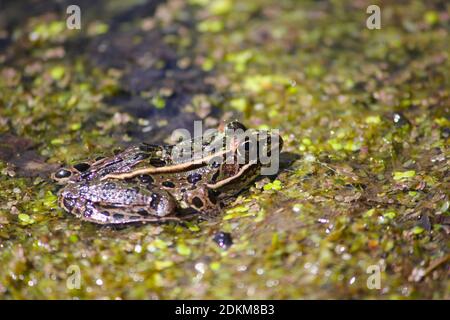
[
  {"x": 253, "y": 146},
  {"x": 247, "y": 153}
]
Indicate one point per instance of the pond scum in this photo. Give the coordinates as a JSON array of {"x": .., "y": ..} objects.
[{"x": 359, "y": 209}]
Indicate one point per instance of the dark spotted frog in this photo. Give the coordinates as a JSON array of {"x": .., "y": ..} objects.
[{"x": 148, "y": 183}]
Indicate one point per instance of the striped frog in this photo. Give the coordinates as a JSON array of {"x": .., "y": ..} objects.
[{"x": 155, "y": 183}]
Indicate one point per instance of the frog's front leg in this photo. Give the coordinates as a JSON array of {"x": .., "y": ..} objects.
[{"x": 204, "y": 200}]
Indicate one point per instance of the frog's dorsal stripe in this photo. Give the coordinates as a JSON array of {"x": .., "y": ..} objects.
[
  {"x": 167, "y": 169},
  {"x": 224, "y": 182}
]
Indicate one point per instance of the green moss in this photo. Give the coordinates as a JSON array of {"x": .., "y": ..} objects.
[
  {"x": 47, "y": 31},
  {"x": 211, "y": 25},
  {"x": 403, "y": 175},
  {"x": 275, "y": 185},
  {"x": 25, "y": 218},
  {"x": 220, "y": 7},
  {"x": 431, "y": 17},
  {"x": 183, "y": 249},
  {"x": 373, "y": 119},
  {"x": 57, "y": 72},
  {"x": 390, "y": 215},
  {"x": 214, "y": 266},
  {"x": 160, "y": 265},
  {"x": 158, "y": 102},
  {"x": 417, "y": 230}
]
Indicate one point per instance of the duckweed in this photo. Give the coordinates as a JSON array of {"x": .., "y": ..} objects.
[{"x": 363, "y": 174}]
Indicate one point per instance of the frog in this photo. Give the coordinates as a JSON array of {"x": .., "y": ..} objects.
[{"x": 153, "y": 183}]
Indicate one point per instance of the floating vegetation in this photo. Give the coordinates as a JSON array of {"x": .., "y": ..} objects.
[{"x": 364, "y": 116}]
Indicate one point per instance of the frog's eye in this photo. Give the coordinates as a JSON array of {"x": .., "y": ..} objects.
[{"x": 62, "y": 173}]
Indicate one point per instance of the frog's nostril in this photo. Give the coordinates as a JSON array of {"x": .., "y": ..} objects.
[{"x": 63, "y": 173}]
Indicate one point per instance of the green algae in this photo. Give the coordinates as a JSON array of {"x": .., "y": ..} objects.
[{"x": 365, "y": 111}]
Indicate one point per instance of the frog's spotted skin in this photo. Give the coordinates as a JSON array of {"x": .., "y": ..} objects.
[{"x": 144, "y": 184}]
